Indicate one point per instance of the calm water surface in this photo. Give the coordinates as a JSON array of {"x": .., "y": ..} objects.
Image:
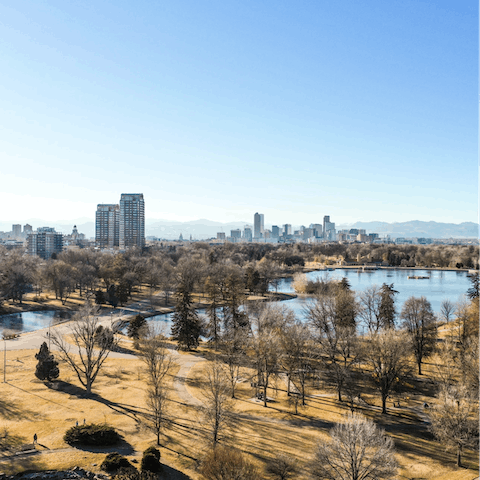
[
  {"x": 30, "y": 321},
  {"x": 440, "y": 286}
]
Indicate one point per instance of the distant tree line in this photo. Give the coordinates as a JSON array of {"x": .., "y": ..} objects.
[{"x": 112, "y": 278}]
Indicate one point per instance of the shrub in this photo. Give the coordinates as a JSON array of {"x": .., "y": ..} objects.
[
  {"x": 92, "y": 434},
  {"x": 153, "y": 451},
  {"x": 150, "y": 463},
  {"x": 114, "y": 461},
  {"x": 224, "y": 463},
  {"x": 282, "y": 467}
]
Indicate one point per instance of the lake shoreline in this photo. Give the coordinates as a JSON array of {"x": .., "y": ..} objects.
[
  {"x": 381, "y": 267},
  {"x": 131, "y": 310}
]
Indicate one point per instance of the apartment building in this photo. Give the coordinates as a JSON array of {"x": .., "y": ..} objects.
[{"x": 44, "y": 242}]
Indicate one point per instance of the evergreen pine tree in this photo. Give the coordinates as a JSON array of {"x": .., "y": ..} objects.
[
  {"x": 387, "y": 306},
  {"x": 135, "y": 327},
  {"x": 47, "y": 366},
  {"x": 186, "y": 328}
]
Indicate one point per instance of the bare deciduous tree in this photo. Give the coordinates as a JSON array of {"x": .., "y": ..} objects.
[
  {"x": 296, "y": 357},
  {"x": 421, "y": 326},
  {"x": 337, "y": 338},
  {"x": 282, "y": 466},
  {"x": 447, "y": 310},
  {"x": 157, "y": 403},
  {"x": 91, "y": 349},
  {"x": 454, "y": 419},
  {"x": 469, "y": 364},
  {"x": 369, "y": 308},
  {"x": 359, "y": 450},
  {"x": 217, "y": 404},
  {"x": 466, "y": 314},
  {"x": 388, "y": 358},
  {"x": 266, "y": 344},
  {"x": 233, "y": 347},
  {"x": 166, "y": 280},
  {"x": 153, "y": 352},
  {"x": 17, "y": 274}
]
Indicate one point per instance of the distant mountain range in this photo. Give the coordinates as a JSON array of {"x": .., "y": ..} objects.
[
  {"x": 416, "y": 228},
  {"x": 203, "y": 229}
]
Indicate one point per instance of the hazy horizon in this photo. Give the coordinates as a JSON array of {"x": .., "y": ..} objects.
[{"x": 81, "y": 220}]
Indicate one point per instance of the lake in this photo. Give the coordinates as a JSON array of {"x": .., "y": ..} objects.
[
  {"x": 30, "y": 321},
  {"x": 440, "y": 286}
]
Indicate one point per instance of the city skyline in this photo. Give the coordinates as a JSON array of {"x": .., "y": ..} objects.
[{"x": 368, "y": 114}]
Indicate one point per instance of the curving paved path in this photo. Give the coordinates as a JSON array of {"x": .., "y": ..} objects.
[
  {"x": 33, "y": 340},
  {"x": 186, "y": 362}
]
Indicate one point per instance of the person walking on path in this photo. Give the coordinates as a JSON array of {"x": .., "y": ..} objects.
[{"x": 35, "y": 438}]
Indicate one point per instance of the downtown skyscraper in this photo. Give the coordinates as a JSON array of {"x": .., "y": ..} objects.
[
  {"x": 132, "y": 220},
  {"x": 107, "y": 228},
  {"x": 121, "y": 225},
  {"x": 258, "y": 225}
]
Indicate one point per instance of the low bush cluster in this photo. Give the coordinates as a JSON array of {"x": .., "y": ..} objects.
[
  {"x": 124, "y": 470},
  {"x": 151, "y": 460},
  {"x": 92, "y": 434},
  {"x": 114, "y": 461},
  {"x": 224, "y": 463}
]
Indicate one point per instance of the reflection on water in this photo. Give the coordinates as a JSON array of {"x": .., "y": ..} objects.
[
  {"x": 30, "y": 321},
  {"x": 163, "y": 322},
  {"x": 440, "y": 285}
]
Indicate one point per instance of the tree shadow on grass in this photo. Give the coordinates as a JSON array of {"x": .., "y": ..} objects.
[
  {"x": 169, "y": 473},
  {"x": 10, "y": 411},
  {"x": 301, "y": 420},
  {"x": 17, "y": 464},
  {"x": 128, "y": 351},
  {"x": 67, "y": 387},
  {"x": 178, "y": 452},
  {"x": 10, "y": 443},
  {"x": 134, "y": 412}
]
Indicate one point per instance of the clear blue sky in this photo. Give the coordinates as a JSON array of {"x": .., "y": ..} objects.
[{"x": 218, "y": 109}]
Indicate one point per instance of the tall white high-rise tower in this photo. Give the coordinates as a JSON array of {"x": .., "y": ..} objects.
[
  {"x": 258, "y": 225},
  {"x": 132, "y": 220}
]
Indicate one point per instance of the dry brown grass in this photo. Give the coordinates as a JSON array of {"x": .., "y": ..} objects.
[{"x": 28, "y": 406}]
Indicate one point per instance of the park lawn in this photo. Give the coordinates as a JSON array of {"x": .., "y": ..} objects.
[
  {"x": 263, "y": 432},
  {"x": 28, "y": 406}
]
